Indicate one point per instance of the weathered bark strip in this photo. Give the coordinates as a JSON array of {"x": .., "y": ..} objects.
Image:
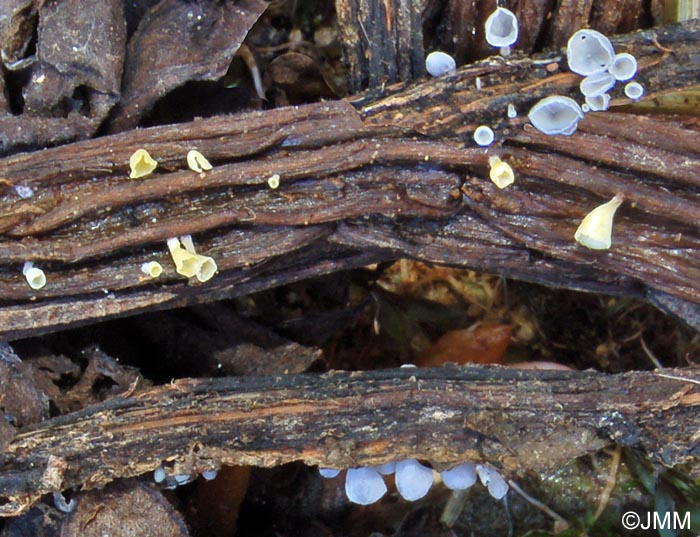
[
  {"x": 518, "y": 420},
  {"x": 396, "y": 173}
]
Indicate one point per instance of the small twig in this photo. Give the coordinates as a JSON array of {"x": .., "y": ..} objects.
[
  {"x": 650, "y": 355},
  {"x": 610, "y": 483},
  {"x": 536, "y": 503},
  {"x": 673, "y": 377}
]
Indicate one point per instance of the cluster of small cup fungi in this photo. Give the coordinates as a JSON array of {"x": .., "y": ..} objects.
[
  {"x": 589, "y": 54},
  {"x": 413, "y": 480}
]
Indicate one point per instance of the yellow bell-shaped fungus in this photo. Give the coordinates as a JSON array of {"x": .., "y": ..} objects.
[
  {"x": 35, "y": 276},
  {"x": 595, "y": 231},
  {"x": 141, "y": 164},
  {"x": 198, "y": 162},
  {"x": 152, "y": 269},
  {"x": 188, "y": 262},
  {"x": 501, "y": 173}
]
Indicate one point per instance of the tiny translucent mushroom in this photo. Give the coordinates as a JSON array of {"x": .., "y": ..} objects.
[
  {"x": 634, "y": 90},
  {"x": 589, "y": 52},
  {"x": 24, "y": 192},
  {"x": 364, "y": 486},
  {"x": 35, "y": 276},
  {"x": 596, "y": 84},
  {"x": 500, "y": 173},
  {"x": 493, "y": 481},
  {"x": 585, "y": 108},
  {"x": 60, "y": 502},
  {"x": 502, "y": 29},
  {"x": 387, "y": 468},
  {"x": 182, "y": 479},
  {"x": 328, "y": 473},
  {"x": 439, "y": 64},
  {"x": 141, "y": 164},
  {"x": 159, "y": 474},
  {"x": 598, "y": 103},
  {"x": 188, "y": 263},
  {"x": 152, "y": 269},
  {"x": 595, "y": 231},
  {"x": 483, "y": 136},
  {"x": 511, "y": 112},
  {"x": 413, "y": 480},
  {"x": 461, "y": 477},
  {"x": 197, "y": 162},
  {"x": 478, "y": 83},
  {"x": 623, "y": 67},
  {"x": 273, "y": 181},
  {"x": 210, "y": 475},
  {"x": 556, "y": 115}
]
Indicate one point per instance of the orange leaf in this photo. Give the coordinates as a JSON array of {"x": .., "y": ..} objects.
[{"x": 483, "y": 343}]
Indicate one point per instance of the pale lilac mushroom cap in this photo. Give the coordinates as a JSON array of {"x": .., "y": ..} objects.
[
  {"x": 596, "y": 84},
  {"x": 501, "y": 28},
  {"x": 413, "y": 480},
  {"x": 493, "y": 481},
  {"x": 484, "y": 136},
  {"x": 634, "y": 90},
  {"x": 623, "y": 67},
  {"x": 589, "y": 52},
  {"x": 460, "y": 477},
  {"x": 439, "y": 64},
  {"x": 556, "y": 115},
  {"x": 364, "y": 486},
  {"x": 598, "y": 103},
  {"x": 328, "y": 473},
  {"x": 387, "y": 468}
]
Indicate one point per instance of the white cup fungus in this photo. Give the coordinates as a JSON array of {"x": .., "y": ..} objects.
[
  {"x": 589, "y": 52},
  {"x": 598, "y": 103},
  {"x": 364, "y": 486},
  {"x": 413, "y": 480},
  {"x": 511, "y": 112},
  {"x": 387, "y": 468},
  {"x": 483, "y": 136},
  {"x": 493, "y": 481},
  {"x": 634, "y": 90},
  {"x": 439, "y": 63},
  {"x": 596, "y": 84},
  {"x": 556, "y": 115},
  {"x": 35, "y": 276},
  {"x": 197, "y": 162},
  {"x": 595, "y": 230},
  {"x": 501, "y": 28},
  {"x": 328, "y": 473},
  {"x": 461, "y": 477},
  {"x": 623, "y": 67}
]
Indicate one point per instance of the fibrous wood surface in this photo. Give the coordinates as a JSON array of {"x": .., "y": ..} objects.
[
  {"x": 515, "y": 419},
  {"x": 390, "y": 177}
]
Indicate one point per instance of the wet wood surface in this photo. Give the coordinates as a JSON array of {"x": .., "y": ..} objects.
[{"x": 515, "y": 420}]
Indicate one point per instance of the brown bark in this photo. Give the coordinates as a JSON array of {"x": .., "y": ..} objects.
[
  {"x": 392, "y": 179},
  {"x": 517, "y": 420}
]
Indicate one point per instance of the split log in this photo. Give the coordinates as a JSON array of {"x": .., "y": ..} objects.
[
  {"x": 385, "y": 178},
  {"x": 516, "y": 420}
]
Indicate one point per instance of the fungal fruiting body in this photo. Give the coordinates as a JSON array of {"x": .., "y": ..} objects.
[
  {"x": 460, "y": 477},
  {"x": 35, "y": 276},
  {"x": 501, "y": 28},
  {"x": 328, "y": 473},
  {"x": 141, "y": 164},
  {"x": 634, "y": 90},
  {"x": 387, "y": 468},
  {"x": 595, "y": 231},
  {"x": 197, "y": 162},
  {"x": 24, "y": 192},
  {"x": 623, "y": 67},
  {"x": 556, "y": 115},
  {"x": 364, "y": 486},
  {"x": 152, "y": 269},
  {"x": 189, "y": 263},
  {"x": 413, "y": 480},
  {"x": 273, "y": 181},
  {"x": 598, "y": 103},
  {"x": 483, "y": 136},
  {"x": 439, "y": 64},
  {"x": 589, "y": 52},
  {"x": 500, "y": 173},
  {"x": 493, "y": 481},
  {"x": 209, "y": 475},
  {"x": 597, "y": 84},
  {"x": 511, "y": 112}
]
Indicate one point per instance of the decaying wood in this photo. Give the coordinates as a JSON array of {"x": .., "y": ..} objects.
[
  {"x": 516, "y": 420},
  {"x": 390, "y": 177}
]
